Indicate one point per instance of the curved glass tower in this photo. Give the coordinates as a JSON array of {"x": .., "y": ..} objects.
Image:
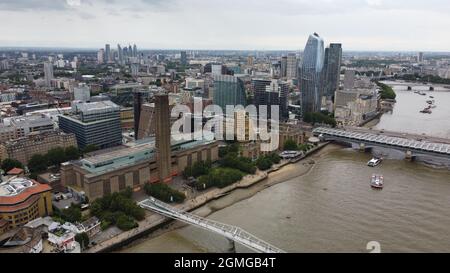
[{"x": 311, "y": 74}]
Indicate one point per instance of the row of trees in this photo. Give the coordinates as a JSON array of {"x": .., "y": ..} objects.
[
  {"x": 9, "y": 164},
  {"x": 72, "y": 214},
  {"x": 320, "y": 117},
  {"x": 164, "y": 193},
  {"x": 54, "y": 157},
  {"x": 266, "y": 162},
  {"x": 219, "y": 177},
  {"x": 234, "y": 161},
  {"x": 386, "y": 91},
  {"x": 118, "y": 209}
]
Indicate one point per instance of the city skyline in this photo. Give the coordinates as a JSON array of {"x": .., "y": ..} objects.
[{"x": 360, "y": 25}]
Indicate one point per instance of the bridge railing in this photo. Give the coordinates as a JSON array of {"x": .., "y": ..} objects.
[{"x": 232, "y": 232}]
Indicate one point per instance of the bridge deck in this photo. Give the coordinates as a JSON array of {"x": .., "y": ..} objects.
[
  {"x": 231, "y": 232},
  {"x": 441, "y": 149}
]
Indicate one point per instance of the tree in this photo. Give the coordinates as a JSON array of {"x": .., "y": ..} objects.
[
  {"x": 38, "y": 163},
  {"x": 290, "y": 145},
  {"x": 72, "y": 214},
  {"x": 197, "y": 169},
  {"x": 9, "y": 164},
  {"x": 264, "y": 164},
  {"x": 56, "y": 156},
  {"x": 164, "y": 193},
  {"x": 125, "y": 222},
  {"x": 71, "y": 153},
  {"x": 82, "y": 239}
]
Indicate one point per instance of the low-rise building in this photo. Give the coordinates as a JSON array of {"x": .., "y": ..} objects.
[
  {"x": 22, "y": 240},
  {"x": 23, "y": 200}
]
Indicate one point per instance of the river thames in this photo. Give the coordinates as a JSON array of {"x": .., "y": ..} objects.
[{"x": 331, "y": 208}]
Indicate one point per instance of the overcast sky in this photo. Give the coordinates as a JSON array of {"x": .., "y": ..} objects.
[{"x": 409, "y": 25}]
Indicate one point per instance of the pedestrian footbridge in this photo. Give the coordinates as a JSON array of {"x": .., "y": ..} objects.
[{"x": 232, "y": 233}]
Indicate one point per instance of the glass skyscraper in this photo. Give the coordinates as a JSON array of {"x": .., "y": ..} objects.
[
  {"x": 229, "y": 90},
  {"x": 311, "y": 76},
  {"x": 333, "y": 59}
]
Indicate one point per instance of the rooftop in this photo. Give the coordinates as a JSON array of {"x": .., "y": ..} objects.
[
  {"x": 133, "y": 153},
  {"x": 95, "y": 107},
  {"x": 15, "y": 171},
  {"x": 18, "y": 190}
]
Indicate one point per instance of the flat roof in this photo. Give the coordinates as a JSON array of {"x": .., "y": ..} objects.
[{"x": 131, "y": 154}]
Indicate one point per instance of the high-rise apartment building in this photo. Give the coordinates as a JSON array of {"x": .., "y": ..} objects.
[
  {"x": 311, "y": 74},
  {"x": 101, "y": 56},
  {"x": 48, "y": 73}
]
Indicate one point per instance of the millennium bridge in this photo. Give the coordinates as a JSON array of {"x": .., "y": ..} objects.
[
  {"x": 367, "y": 140},
  {"x": 232, "y": 233}
]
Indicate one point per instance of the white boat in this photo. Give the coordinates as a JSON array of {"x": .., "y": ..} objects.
[
  {"x": 374, "y": 162},
  {"x": 377, "y": 181}
]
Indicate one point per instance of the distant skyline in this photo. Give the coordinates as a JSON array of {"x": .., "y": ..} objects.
[{"x": 360, "y": 25}]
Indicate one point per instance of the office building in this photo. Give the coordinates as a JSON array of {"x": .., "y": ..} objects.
[
  {"x": 349, "y": 79},
  {"x": 357, "y": 105},
  {"x": 311, "y": 74},
  {"x": 333, "y": 59},
  {"x": 82, "y": 93},
  {"x": 292, "y": 66},
  {"x": 120, "y": 54},
  {"x": 95, "y": 123},
  {"x": 270, "y": 92},
  {"x": 229, "y": 90}
]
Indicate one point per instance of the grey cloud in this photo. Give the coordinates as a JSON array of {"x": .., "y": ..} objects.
[{"x": 26, "y": 5}]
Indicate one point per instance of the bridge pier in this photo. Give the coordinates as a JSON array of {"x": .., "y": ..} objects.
[
  {"x": 409, "y": 156},
  {"x": 231, "y": 246},
  {"x": 362, "y": 147}
]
